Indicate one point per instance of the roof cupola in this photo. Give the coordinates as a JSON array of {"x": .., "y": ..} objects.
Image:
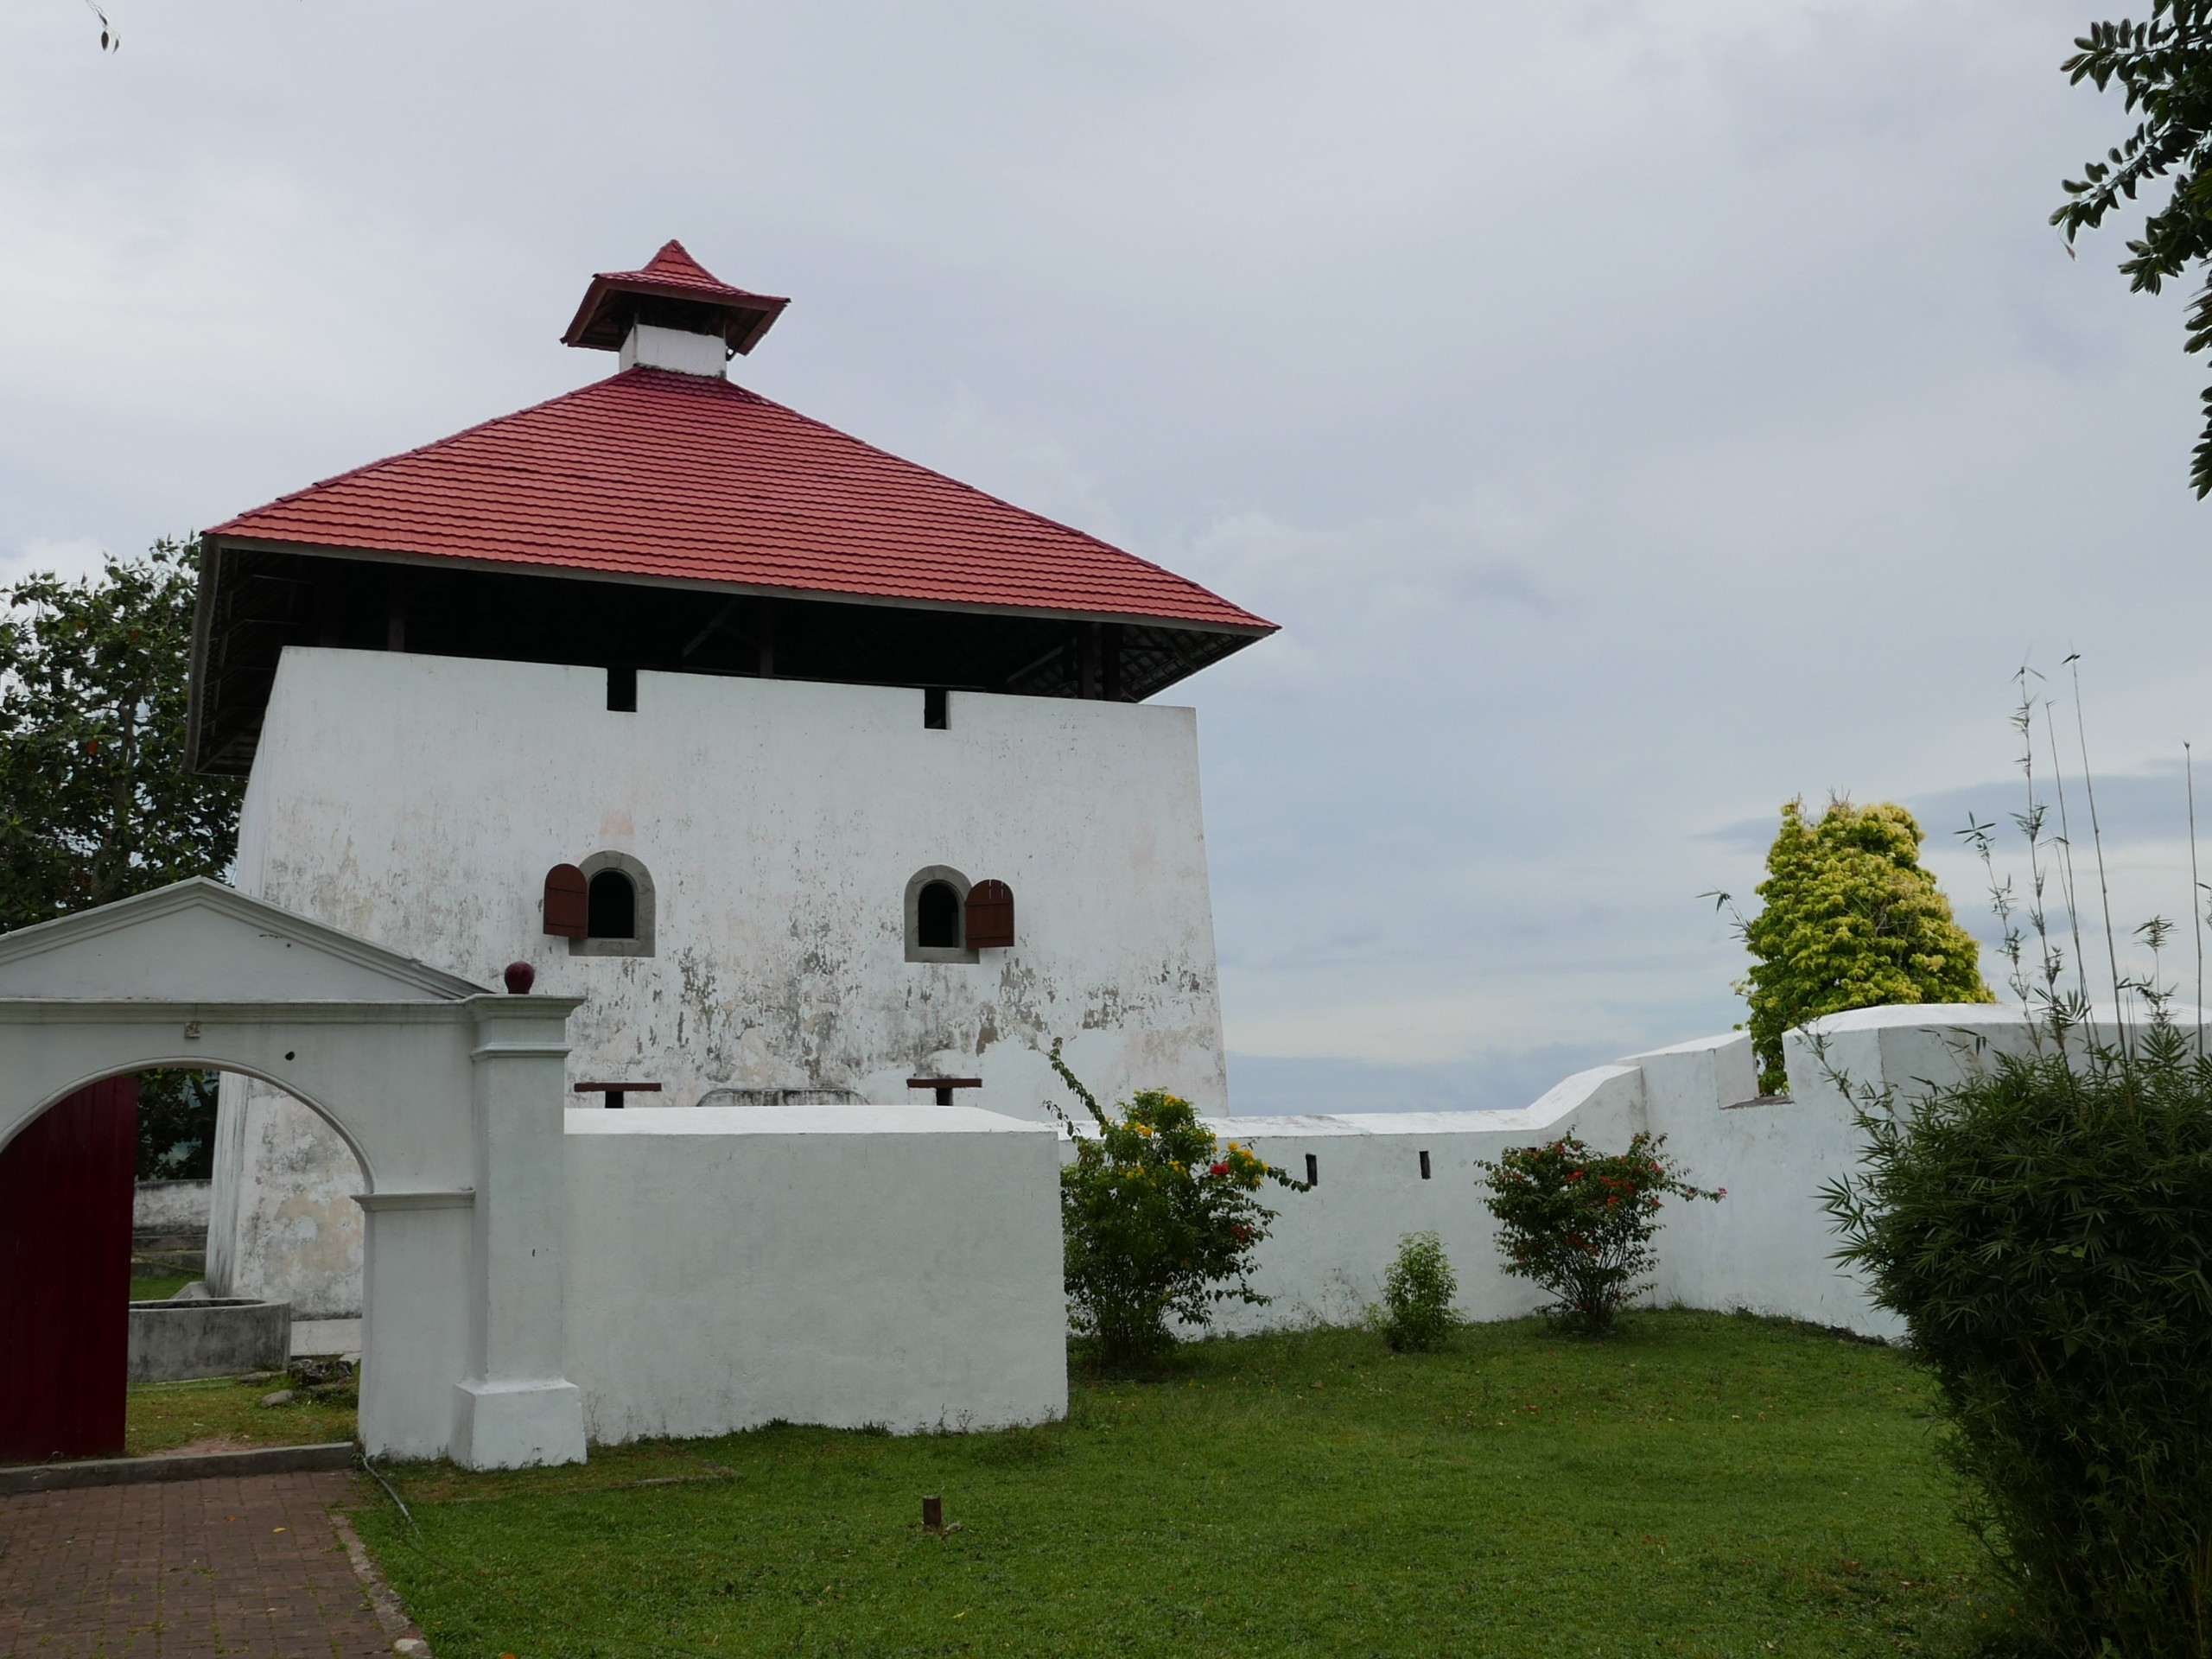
[{"x": 672, "y": 314}]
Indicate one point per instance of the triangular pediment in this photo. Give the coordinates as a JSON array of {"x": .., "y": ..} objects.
[{"x": 200, "y": 941}]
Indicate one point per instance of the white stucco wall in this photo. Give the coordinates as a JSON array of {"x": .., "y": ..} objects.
[
  {"x": 283, "y": 1225},
  {"x": 169, "y": 1207},
  {"x": 419, "y": 801},
  {"x": 1767, "y": 1247},
  {"x": 824, "y": 1264},
  {"x": 1323, "y": 1261}
]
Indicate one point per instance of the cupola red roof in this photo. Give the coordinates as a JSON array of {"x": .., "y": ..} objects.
[
  {"x": 674, "y": 289},
  {"x": 659, "y": 476}
]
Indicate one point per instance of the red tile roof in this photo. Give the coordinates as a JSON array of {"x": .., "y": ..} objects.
[
  {"x": 603, "y": 319},
  {"x": 655, "y": 475},
  {"x": 675, "y": 264}
]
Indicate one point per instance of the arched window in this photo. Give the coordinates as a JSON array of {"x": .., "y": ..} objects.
[
  {"x": 616, "y": 906},
  {"x": 611, "y": 912},
  {"x": 936, "y": 924},
  {"x": 936, "y": 916}
]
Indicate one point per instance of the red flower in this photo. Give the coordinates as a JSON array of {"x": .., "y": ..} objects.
[{"x": 1219, "y": 1169}]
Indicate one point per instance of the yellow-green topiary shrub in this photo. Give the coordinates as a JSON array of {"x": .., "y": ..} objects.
[{"x": 1852, "y": 921}]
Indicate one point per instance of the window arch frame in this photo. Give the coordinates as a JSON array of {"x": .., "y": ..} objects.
[
  {"x": 916, "y": 950},
  {"x": 644, "y": 912}
]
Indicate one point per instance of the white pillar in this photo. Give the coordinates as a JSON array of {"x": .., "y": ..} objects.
[
  {"x": 415, "y": 1319},
  {"x": 515, "y": 1407}
]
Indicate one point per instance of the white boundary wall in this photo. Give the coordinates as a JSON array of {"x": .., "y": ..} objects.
[
  {"x": 1767, "y": 1247},
  {"x": 169, "y": 1207},
  {"x": 844, "y": 1265}
]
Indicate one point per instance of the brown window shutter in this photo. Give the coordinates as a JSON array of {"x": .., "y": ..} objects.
[
  {"x": 565, "y": 908},
  {"x": 990, "y": 916}
]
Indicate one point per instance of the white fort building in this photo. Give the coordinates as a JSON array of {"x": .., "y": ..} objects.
[{"x": 819, "y": 776}]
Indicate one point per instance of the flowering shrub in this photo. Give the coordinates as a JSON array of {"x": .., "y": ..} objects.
[
  {"x": 1160, "y": 1219},
  {"x": 1416, "y": 1313},
  {"x": 1580, "y": 1222}
]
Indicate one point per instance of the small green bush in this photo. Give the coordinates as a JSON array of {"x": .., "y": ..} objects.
[
  {"x": 1416, "y": 1313},
  {"x": 2043, "y": 1227},
  {"x": 1852, "y": 921},
  {"x": 1159, "y": 1221},
  {"x": 1579, "y": 1222}
]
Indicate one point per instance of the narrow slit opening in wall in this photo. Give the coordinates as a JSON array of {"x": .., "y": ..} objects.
[
  {"x": 1424, "y": 1165},
  {"x": 622, "y": 690},
  {"x": 935, "y": 708},
  {"x": 1313, "y": 1170}
]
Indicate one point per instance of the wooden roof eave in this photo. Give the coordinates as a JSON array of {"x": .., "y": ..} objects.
[
  {"x": 1247, "y": 632},
  {"x": 747, "y": 316}
]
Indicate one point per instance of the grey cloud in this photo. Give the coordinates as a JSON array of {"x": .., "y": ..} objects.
[
  {"x": 1616, "y": 476},
  {"x": 2150, "y": 806}
]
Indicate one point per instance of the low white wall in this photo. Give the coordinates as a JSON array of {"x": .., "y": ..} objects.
[
  {"x": 844, "y": 1265},
  {"x": 1769, "y": 1247},
  {"x": 1323, "y": 1259},
  {"x": 169, "y": 1207}
]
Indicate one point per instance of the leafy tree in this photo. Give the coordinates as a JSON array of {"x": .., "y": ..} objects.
[
  {"x": 1852, "y": 921},
  {"x": 2165, "y": 68},
  {"x": 176, "y": 1125},
  {"x": 96, "y": 803}
]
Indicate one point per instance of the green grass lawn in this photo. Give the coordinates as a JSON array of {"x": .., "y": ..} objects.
[
  {"x": 1702, "y": 1485},
  {"x": 227, "y": 1410}
]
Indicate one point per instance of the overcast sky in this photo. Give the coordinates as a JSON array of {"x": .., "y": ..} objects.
[{"x": 1635, "y": 415}]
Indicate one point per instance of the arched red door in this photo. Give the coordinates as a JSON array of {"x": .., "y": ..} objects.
[{"x": 66, "y": 1185}]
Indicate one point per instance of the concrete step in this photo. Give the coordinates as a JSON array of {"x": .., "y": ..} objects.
[
  {"x": 194, "y": 1465},
  {"x": 326, "y": 1339}
]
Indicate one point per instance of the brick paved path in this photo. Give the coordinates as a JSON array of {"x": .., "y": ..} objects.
[{"x": 246, "y": 1568}]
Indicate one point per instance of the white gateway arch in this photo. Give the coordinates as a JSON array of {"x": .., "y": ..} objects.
[{"x": 450, "y": 1095}]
